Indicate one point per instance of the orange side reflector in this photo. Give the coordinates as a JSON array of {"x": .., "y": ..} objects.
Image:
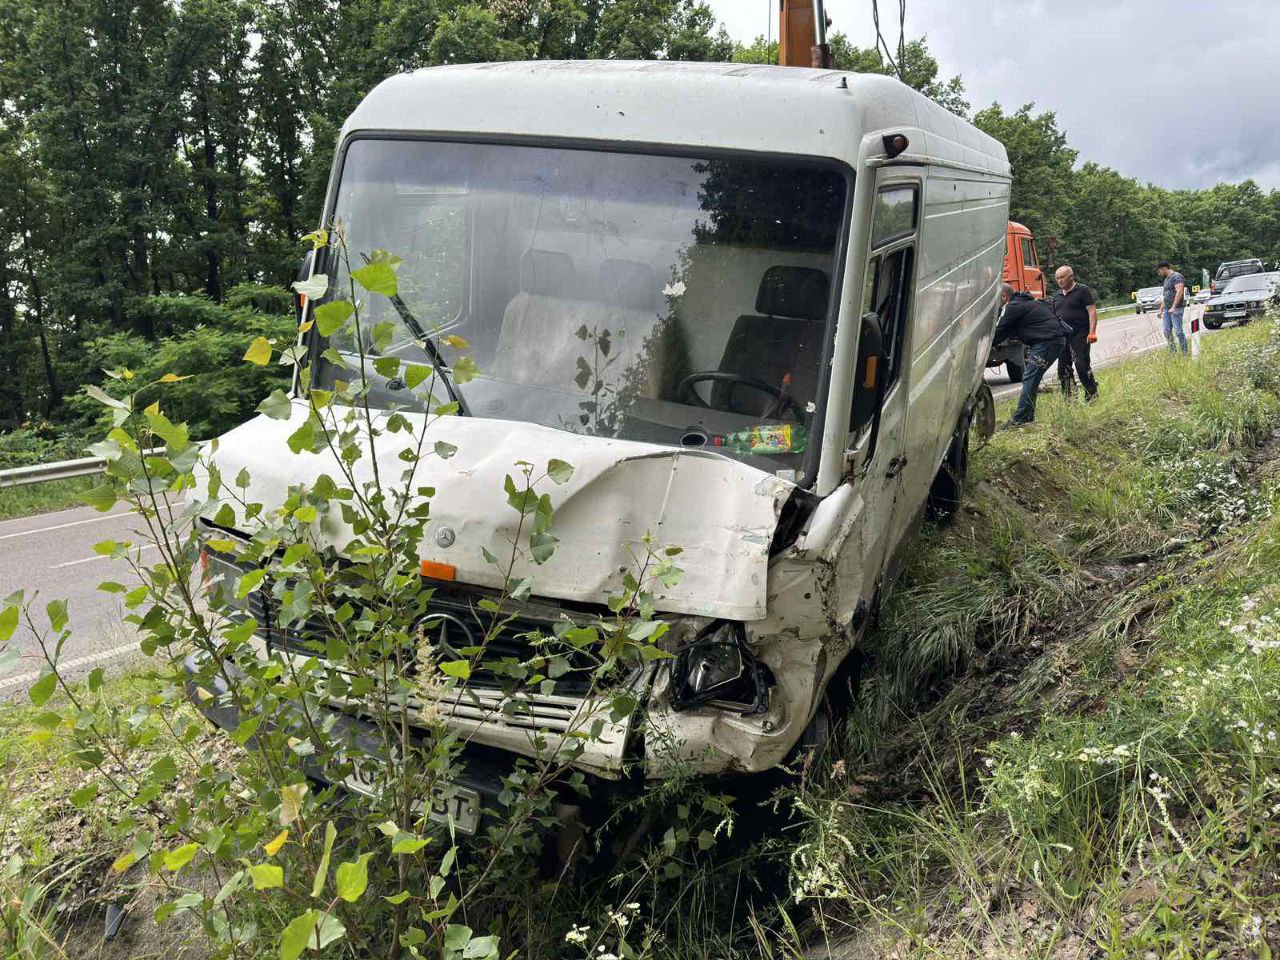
[
  {"x": 870, "y": 382},
  {"x": 439, "y": 571}
]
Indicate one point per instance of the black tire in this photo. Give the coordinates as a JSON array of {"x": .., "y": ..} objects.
[
  {"x": 1212, "y": 324},
  {"x": 947, "y": 491},
  {"x": 1014, "y": 370}
]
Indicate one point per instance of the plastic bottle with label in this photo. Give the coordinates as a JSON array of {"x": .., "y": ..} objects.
[{"x": 770, "y": 439}]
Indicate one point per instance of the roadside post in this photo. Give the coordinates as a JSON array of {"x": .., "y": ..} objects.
[{"x": 1193, "y": 314}]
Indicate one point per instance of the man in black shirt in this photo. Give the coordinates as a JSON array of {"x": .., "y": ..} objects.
[
  {"x": 1030, "y": 321},
  {"x": 1074, "y": 307}
]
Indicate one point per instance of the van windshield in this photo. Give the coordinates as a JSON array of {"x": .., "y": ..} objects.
[{"x": 672, "y": 300}]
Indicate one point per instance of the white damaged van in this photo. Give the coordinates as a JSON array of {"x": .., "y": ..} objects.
[{"x": 786, "y": 282}]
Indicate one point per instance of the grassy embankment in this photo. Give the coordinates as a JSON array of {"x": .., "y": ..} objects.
[
  {"x": 1066, "y": 744},
  {"x": 34, "y": 445},
  {"x": 43, "y": 497},
  {"x": 1065, "y": 740}
]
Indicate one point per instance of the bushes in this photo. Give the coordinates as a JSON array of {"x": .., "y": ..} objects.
[
  {"x": 203, "y": 341},
  {"x": 300, "y": 620},
  {"x": 39, "y": 442}
]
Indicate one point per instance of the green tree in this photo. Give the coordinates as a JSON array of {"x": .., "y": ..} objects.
[
  {"x": 1042, "y": 167},
  {"x": 1114, "y": 231},
  {"x": 212, "y": 53},
  {"x": 277, "y": 101},
  {"x": 473, "y": 34},
  {"x": 654, "y": 29}
]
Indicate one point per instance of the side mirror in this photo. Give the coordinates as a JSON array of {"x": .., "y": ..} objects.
[
  {"x": 304, "y": 271},
  {"x": 870, "y": 370}
]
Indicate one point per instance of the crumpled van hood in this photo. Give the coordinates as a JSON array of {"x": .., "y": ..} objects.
[{"x": 719, "y": 510}]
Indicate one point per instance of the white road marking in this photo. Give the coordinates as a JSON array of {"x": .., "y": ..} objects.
[
  {"x": 28, "y": 678},
  {"x": 60, "y": 526},
  {"x": 100, "y": 556},
  {"x": 50, "y": 515}
]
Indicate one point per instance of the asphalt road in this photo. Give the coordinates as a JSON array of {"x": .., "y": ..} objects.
[
  {"x": 50, "y": 556},
  {"x": 1119, "y": 336}
]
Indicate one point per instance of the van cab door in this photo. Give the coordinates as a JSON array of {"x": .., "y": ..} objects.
[{"x": 876, "y": 456}]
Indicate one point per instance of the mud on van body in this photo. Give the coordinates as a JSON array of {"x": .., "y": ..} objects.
[{"x": 805, "y": 254}]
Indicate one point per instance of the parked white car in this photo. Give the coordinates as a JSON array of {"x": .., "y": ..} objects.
[{"x": 1148, "y": 298}]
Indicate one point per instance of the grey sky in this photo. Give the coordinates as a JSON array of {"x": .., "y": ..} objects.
[{"x": 1183, "y": 93}]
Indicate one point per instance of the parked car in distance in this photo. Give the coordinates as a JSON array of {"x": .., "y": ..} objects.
[
  {"x": 1241, "y": 300},
  {"x": 1203, "y": 295},
  {"x": 1148, "y": 298},
  {"x": 1232, "y": 269}
]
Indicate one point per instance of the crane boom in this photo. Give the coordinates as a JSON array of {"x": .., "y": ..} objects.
[{"x": 802, "y": 34}]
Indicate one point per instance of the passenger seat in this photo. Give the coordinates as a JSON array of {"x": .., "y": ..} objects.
[
  {"x": 539, "y": 342},
  {"x": 531, "y": 338},
  {"x": 784, "y": 336}
]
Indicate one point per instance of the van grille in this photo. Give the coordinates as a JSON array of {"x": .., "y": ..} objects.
[{"x": 515, "y": 643}]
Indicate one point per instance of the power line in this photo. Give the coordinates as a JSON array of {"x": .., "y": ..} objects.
[
  {"x": 902, "y": 36},
  {"x": 883, "y": 45},
  {"x": 768, "y": 30}
]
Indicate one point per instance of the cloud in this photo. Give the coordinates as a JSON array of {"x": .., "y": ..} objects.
[{"x": 1182, "y": 93}]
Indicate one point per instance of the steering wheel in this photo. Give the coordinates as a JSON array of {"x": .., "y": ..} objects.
[{"x": 687, "y": 394}]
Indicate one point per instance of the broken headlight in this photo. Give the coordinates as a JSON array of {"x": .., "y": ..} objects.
[{"x": 718, "y": 667}]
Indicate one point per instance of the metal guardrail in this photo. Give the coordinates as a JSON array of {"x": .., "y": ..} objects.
[
  {"x": 1115, "y": 308},
  {"x": 44, "y": 472},
  {"x": 62, "y": 470}
]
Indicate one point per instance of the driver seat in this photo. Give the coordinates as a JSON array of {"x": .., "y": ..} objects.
[{"x": 784, "y": 336}]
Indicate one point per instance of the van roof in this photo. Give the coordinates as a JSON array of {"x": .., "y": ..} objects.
[{"x": 821, "y": 113}]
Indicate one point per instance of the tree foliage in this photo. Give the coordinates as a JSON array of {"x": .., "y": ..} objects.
[
  {"x": 155, "y": 149},
  {"x": 1113, "y": 229},
  {"x": 151, "y": 151}
]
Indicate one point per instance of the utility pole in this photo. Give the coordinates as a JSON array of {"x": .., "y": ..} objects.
[{"x": 802, "y": 34}]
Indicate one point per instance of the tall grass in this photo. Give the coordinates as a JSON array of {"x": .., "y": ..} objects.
[
  {"x": 43, "y": 497},
  {"x": 1108, "y": 784}
]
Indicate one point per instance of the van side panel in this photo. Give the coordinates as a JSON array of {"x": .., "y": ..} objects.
[{"x": 960, "y": 262}]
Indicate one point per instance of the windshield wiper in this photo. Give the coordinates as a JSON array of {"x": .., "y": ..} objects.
[{"x": 428, "y": 347}]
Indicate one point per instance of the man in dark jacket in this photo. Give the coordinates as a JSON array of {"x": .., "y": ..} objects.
[{"x": 1029, "y": 320}]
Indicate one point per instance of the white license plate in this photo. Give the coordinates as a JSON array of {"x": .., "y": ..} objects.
[
  {"x": 448, "y": 803},
  {"x": 1234, "y": 314}
]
